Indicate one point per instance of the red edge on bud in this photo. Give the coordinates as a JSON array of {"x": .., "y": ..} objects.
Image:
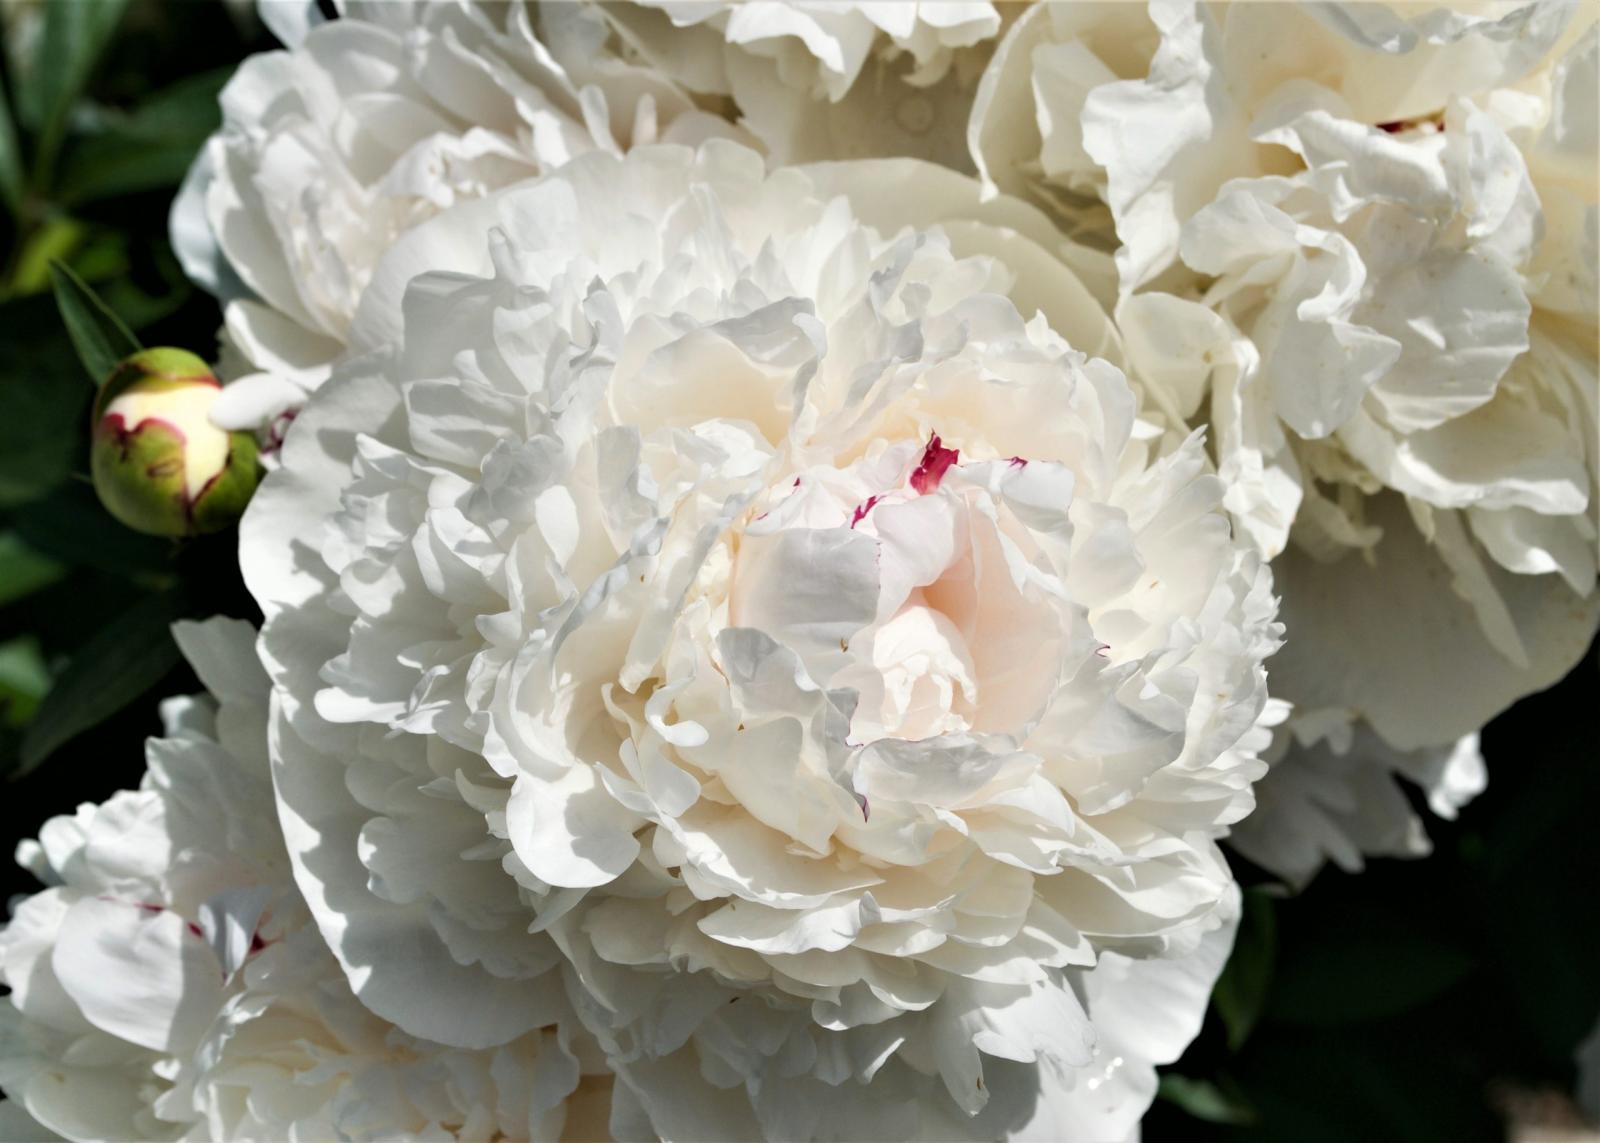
[{"x": 114, "y": 425}]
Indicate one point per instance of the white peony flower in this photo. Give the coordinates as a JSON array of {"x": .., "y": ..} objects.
[
  {"x": 817, "y": 79},
  {"x": 368, "y": 125},
  {"x": 717, "y": 572},
  {"x": 167, "y": 984},
  {"x": 1025, "y": 133},
  {"x": 1368, "y": 259}
]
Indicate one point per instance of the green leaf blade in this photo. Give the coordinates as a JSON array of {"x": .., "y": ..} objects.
[
  {"x": 98, "y": 334},
  {"x": 24, "y": 681},
  {"x": 1368, "y": 976},
  {"x": 72, "y": 527},
  {"x": 45, "y": 430},
  {"x": 1241, "y": 991},
  {"x": 24, "y": 569},
  {"x": 1207, "y": 1101},
  {"x": 148, "y": 149},
  {"x": 118, "y": 665},
  {"x": 12, "y": 173},
  {"x": 76, "y": 34}
]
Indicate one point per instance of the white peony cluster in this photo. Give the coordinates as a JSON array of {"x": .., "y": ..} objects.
[
  {"x": 765, "y": 632},
  {"x": 167, "y": 984},
  {"x": 1361, "y": 244},
  {"x": 364, "y": 127},
  {"x": 702, "y": 569}
]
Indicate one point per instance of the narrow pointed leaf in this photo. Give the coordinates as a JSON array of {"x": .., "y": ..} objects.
[
  {"x": 1241, "y": 991},
  {"x": 1211, "y": 1102},
  {"x": 11, "y": 170},
  {"x": 99, "y": 336},
  {"x": 45, "y": 429},
  {"x": 71, "y": 44},
  {"x": 124, "y": 660}
]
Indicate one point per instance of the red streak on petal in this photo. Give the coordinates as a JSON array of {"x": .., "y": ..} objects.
[
  {"x": 1018, "y": 462},
  {"x": 277, "y": 430},
  {"x": 863, "y": 508},
  {"x": 1399, "y": 126},
  {"x": 1104, "y": 650},
  {"x": 256, "y": 943},
  {"x": 936, "y": 461}
]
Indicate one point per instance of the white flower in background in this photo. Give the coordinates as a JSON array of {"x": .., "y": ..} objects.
[
  {"x": 1362, "y": 245},
  {"x": 1319, "y": 807},
  {"x": 167, "y": 984},
  {"x": 718, "y": 572},
  {"x": 367, "y": 125},
  {"x": 826, "y": 80}
]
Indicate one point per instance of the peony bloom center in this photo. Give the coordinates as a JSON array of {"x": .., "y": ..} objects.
[
  {"x": 918, "y": 680},
  {"x": 926, "y": 586}
]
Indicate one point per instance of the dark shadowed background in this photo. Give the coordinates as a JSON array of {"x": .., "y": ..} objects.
[{"x": 1421, "y": 1000}]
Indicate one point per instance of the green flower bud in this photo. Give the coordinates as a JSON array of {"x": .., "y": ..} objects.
[{"x": 160, "y": 465}]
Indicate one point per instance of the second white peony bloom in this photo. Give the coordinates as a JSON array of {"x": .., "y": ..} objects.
[
  {"x": 365, "y": 126},
  {"x": 1367, "y": 261}
]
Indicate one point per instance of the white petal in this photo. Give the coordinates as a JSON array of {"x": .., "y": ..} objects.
[
  {"x": 1440, "y": 678},
  {"x": 138, "y": 972}
]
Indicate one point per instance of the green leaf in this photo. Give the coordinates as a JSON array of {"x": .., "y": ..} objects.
[
  {"x": 151, "y": 148},
  {"x": 1352, "y": 977},
  {"x": 23, "y": 570},
  {"x": 45, "y": 428},
  {"x": 125, "y": 659},
  {"x": 58, "y": 237},
  {"x": 75, "y": 34},
  {"x": 98, "y": 335},
  {"x": 1214, "y": 1103},
  {"x": 1241, "y": 990},
  {"x": 11, "y": 172},
  {"x": 111, "y": 256},
  {"x": 24, "y": 680},
  {"x": 71, "y": 526}
]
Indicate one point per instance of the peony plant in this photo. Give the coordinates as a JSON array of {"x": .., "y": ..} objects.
[{"x": 771, "y": 528}]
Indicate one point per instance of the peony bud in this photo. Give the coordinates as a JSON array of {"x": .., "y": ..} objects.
[{"x": 160, "y": 465}]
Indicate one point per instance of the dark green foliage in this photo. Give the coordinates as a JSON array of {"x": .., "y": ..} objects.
[{"x": 100, "y": 117}]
